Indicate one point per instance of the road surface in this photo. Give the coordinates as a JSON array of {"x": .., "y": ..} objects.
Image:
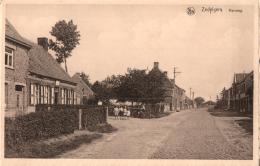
[{"x": 187, "y": 134}]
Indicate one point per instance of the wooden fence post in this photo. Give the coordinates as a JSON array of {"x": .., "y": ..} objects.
[
  {"x": 106, "y": 113},
  {"x": 80, "y": 120}
]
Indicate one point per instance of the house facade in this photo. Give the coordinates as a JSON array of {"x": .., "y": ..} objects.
[
  {"x": 179, "y": 98},
  {"x": 239, "y": 96},
  {"x": 16, "y": 68},
  {"x": 83, "y": 91},
  {"x": 174, "y": 96},
  {"x": 32, "y": 75},
  {"x": 48, "y": 83}
]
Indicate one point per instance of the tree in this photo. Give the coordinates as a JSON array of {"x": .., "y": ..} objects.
[
  {"x": 66, "y": 39},
  {"x": 102, "y": 92},
  {"x": 132, "y": 86},
  {"x": 85, "y": 78},
  {"x": 199, "y": 101},
  {"x": 154, "y": 86}
]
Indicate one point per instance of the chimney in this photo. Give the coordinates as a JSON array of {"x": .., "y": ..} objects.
[
  {"x": 165, "y": 73},
  {"x": 156, "y": 65},
  {"x": 43, "y": 41}
]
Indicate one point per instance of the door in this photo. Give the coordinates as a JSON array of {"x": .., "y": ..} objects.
[
  {"x": 56, "y": 94},
  {"x": 20, "y": 105}
]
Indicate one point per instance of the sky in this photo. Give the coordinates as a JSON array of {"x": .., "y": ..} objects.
[{"x": 208, "y": 48}]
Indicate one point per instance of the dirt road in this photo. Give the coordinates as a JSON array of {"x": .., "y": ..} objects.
[{"x": 182, "y": 135}]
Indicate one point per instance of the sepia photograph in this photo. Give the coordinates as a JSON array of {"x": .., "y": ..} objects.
[{"x": 129, "y": 81}]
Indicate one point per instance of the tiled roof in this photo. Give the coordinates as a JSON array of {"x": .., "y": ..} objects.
[
  {"x": 76, "y": 77},
  {"x": 42, "y": 63},
  {"x": 12, "y": 34}
]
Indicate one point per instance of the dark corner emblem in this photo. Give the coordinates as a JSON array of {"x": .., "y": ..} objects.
[{"x": 190, "y": 11}]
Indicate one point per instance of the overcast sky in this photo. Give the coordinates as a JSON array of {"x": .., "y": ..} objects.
[{"x": 207, "y": 48}]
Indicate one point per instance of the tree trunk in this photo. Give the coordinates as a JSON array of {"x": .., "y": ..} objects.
[{"x": 65, "y": 62}]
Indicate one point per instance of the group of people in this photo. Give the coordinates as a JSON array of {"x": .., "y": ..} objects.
[{"x": 121, "y": 112}]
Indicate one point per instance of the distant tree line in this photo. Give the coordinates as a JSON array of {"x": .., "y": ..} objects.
[{"x": 134, "y": 86}]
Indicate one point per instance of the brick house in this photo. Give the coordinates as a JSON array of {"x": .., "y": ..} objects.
[
  {"x": 239, "y": 96},
  {"x": 167, "y": 88},
  {"x": 16, "y": 67},
  {"x": 83, "y": 91},
  {"x": 180, "y": 100},
  {"x": 48, "y": 82},
  {"x": 32, "y": 75}
]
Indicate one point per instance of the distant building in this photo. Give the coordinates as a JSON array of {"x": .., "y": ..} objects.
[
  {"x": 168, "y": 89},
  {"x": 239, "y": 96},
  {"x": 174, "y": 96},
  {"x": 83, "y": 91},
  {"x": 179, "y": 98}
]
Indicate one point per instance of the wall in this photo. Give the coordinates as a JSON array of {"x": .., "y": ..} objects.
[{"x": 16, "y": 76}]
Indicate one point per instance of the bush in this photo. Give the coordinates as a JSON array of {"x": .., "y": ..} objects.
[
  {"x": 38, "y": 125},
  {"x": 93, "y": 116}
]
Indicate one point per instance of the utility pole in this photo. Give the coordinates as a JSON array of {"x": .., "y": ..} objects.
[
  {"x": 175, "y": 72},
  {"x": 193, "y": 99},
  {"x": 190, "y": 93}
]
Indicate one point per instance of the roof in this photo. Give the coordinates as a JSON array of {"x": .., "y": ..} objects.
[
  {"x": 167, "y": 83},
  {"x": 42, "y": 63},
  {"x": 238, "y": 77},
  {"x": 12, "y": 34},
  {"x": 77, "y": 78}
]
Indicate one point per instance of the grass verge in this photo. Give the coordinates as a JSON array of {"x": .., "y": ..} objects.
[
  {"x": 103, "y": 128},
  {"x": 45, "y": 149}
]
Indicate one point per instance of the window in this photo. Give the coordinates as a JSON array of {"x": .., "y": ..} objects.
[
  {"x": 37, "y": 94},
  {"x": 62, "y": 96},
  {"x": 52, "y": 95},
  {"x": 18, "y": 88},
  {"x": 9, "y": 57},
  {"x": 32, "y": 94},
  {"x": 69, "y": 96},
  {"x": 42, "y": 95},
  {"x": 75, "y": 98},
  {"x": 65, "y": 96}
]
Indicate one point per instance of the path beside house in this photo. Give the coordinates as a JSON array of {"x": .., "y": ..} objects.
[{"x": 182, "y": 135}]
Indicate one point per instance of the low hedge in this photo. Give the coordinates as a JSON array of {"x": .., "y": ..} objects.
[
  {"x": 93, "y": 116},
  {"x": 38, "y": 125}
]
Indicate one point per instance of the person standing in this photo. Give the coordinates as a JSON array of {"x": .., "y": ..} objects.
[
  {"x": 121, "y": 112},
  {"x": 128, "y": 114},
  {"x": 116, "y": 112},
  {"x": 125, "y": 112}
]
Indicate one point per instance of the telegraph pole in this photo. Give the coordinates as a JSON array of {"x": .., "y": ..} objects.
[
  {"x": 190, "y": 93},
  {"x": 175, "y": 72},
  {"x": 193, "y": 99}
]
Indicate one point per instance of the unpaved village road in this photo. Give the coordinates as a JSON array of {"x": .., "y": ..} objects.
[{"x": 182, "y": 135}]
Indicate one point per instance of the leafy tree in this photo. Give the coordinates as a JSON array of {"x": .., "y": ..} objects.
[
  {"x": 85, "y": 78},
  {"x": 199, "y": 101},
  {"x": 132, "y": 87},
  {"x": 135, "y": 86},
  {"x": 66, "y": 39},
  {"x": 102, "y": 92},
  {"x": 154, "y": 86}
]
